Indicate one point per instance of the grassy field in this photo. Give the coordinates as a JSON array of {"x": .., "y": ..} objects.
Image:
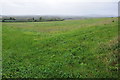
[{"x": 61, "y": 49}]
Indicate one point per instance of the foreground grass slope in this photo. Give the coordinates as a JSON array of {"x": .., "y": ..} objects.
[{"x": 61, "y": 49}]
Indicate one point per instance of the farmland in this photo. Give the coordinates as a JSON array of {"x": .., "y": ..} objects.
[{"x": 85, "y": 48}]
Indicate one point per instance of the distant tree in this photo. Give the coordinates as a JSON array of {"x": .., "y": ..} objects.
[
  {"x": 62, "y": 19},
  {"x": 33, "y": 19},
  {"x": 11, "y": 18},
  {"x": 28, "y": 20},
  {"x": 3, "y": 20},
  {"x": 14, "y": 18},
  {"x": 112, "y": 20},
  {"x": 8, "y": 19},
  {"x": 40, "y": 19}
]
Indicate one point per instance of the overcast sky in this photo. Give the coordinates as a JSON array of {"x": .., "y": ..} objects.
[{"x": 59, "y": 7}]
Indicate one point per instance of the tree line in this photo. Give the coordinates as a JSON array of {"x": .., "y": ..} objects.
[{"x": 12, "y": 19}]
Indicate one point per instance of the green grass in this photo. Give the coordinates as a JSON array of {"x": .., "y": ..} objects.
[{"x": 60, "y": 49}]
